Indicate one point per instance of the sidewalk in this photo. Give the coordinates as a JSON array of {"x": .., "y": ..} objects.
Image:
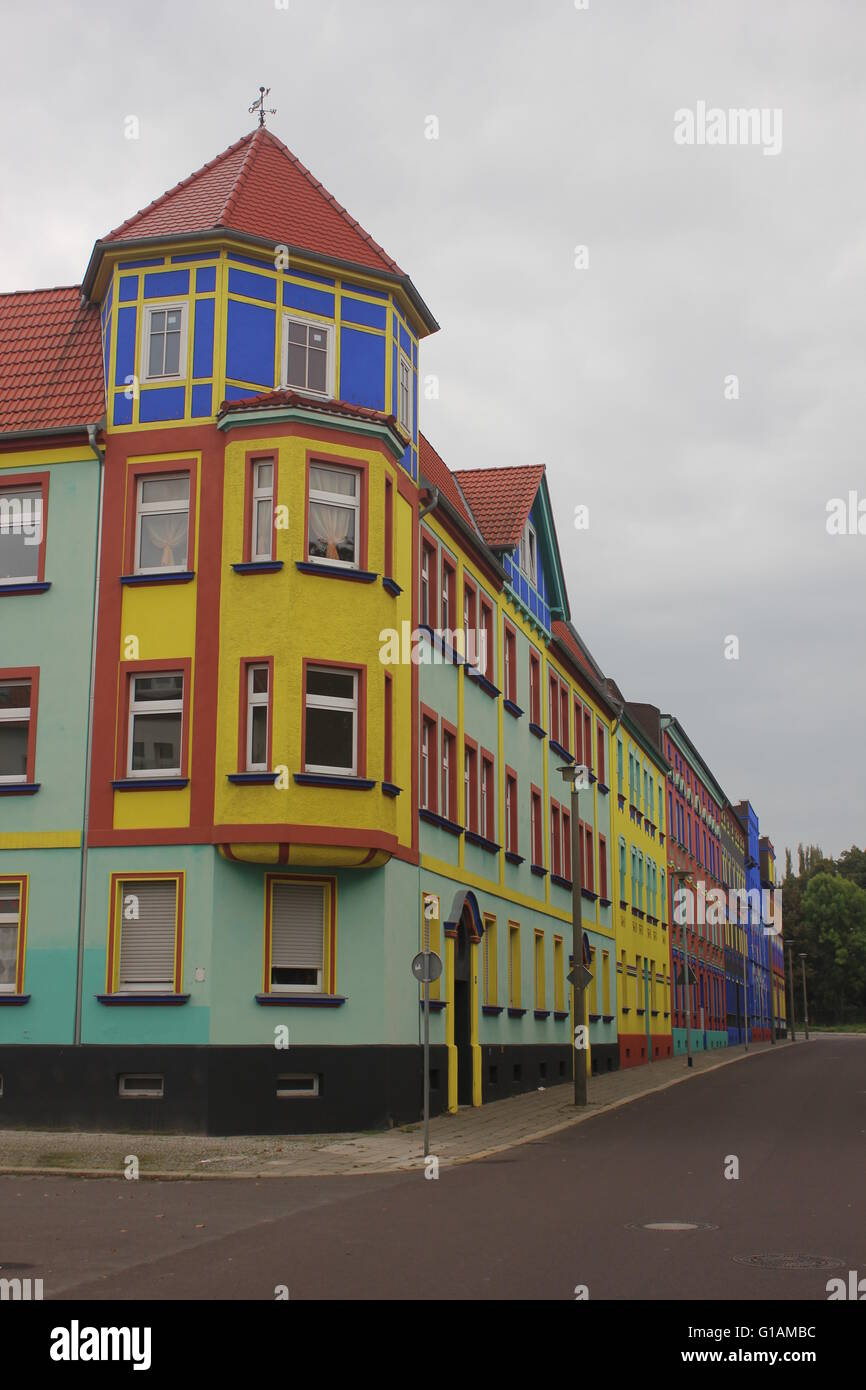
[{"x": 460, "y": 1138}]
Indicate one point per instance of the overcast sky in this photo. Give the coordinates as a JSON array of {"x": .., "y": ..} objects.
[{"x": 556, "y": 130}]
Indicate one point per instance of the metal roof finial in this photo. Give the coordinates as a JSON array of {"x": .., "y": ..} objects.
[{"x": 259, "y": 105}]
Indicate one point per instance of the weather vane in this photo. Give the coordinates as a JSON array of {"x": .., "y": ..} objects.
[{"x": 260, "y": 105}]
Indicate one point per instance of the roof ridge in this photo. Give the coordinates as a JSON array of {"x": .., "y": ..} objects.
[
  {"x": 184, "y": 183},
  {"x": 248, "y": 161},
  {"x": 319, "y": 187},
  {"x": 500, "y": 468}
]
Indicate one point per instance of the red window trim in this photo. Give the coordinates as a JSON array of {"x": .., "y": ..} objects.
[
  {"x": 243, "y": 708},
  {"x": 389, "y": 529},
  {"x": 453, "y": 778},
  {"x": 114, "y": 926},
  {"x": 602, "y": 866},
  {"x": 566, "y": 843},
  {"x": 563, "y": 716},
  {"x": 509, "y": 669},
  {"x": 430, "y": 717},
  {"x": 351, "y": 465},
  {"x": 487, "y": 761},
  {"x": 487, "y": 628},
  {"x": 587, "y": 737},
  {"x": 25, "y": 481},
  {"x": 22, "y": 673},
  {"x": 534, "y": 687},
  {"x": 449, "y": 582},
  {"x": 128, "y": 669},
  {"x": 388, "y": 753},
  {"x": 251, "y": 458},
  {"x": 514, "y": 822},
  {"x": 599, "y": 740},
  {"x": 553, "y": 705},
  {"x": 134, "y": 472},
  {"x": 329, "y": 985},
  {"x": 470, "y": 746},
  {"x": 536, "y": 831},
  {"x": 431, "y": 550},
  {"x": 578, "y": 732},
  {"x": 470, "y": 591},
  {"x": 23, "y": 883},
  {"x": 361, "y": 670},
  {"x": 587, "y": 860},
  {"x": 555, "y": 839}
]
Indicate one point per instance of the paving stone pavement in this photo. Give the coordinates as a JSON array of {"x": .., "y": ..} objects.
[{"x": 470, "y": 1134}]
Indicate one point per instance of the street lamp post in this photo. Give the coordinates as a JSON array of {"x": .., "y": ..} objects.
[
  {"x": 792, "y": 1018},
  {"x": 576, "y": 776},
  {"x": 802, "y": 955}
]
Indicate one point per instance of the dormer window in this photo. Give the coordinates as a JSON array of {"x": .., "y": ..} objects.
[
  {"x": 529, "y": 554},
  {"x": 164, "y": 346},
  {"x": 307, "y": 357}
]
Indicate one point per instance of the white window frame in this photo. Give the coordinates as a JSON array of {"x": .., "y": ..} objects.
[
  {"x": 336, "y": 499},
  {"x": 154, "y": 707},
  {"x": 509, "y": 787},
  {"x": 146, "y": 508},
  {"x": 20, "y": 715},
  {"x": 328, "y": 328},
  {"x": 292, "y": 987},
  {"x": 9, "y": 919},
  {"x": 425, "y": 763},
  {"x": 261, "y": 493},
  {"x": 334, "y": 702},
  {"x": 255, "y": 700},
  {"x": 24, "y": 497},
  {"x": 167, "y": 985},
  {"x": 404, "y": 415},
  {"x": 445, "y": 808},
  {"x": 182, "y": 307},
  {"x": 528, "y": 553}
]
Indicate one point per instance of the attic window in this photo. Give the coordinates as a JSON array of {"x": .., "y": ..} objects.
[
  {"x": 529, "y": 554},
  {"x": 308, "y": 358}
]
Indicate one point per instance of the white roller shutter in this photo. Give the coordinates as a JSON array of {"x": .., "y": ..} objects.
[
  {"x": 147, "y": 943},
  {"x": 298, "y": 926}
]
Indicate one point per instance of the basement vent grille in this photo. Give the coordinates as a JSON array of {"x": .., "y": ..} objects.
[
  {"x": 134, "y": 1087},
  {"x": 297, "y": 1087}
]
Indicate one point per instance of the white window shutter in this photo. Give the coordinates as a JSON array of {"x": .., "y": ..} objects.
[
  {"x": 147, "y": 945},
  {"x": 298, "y": 926}
]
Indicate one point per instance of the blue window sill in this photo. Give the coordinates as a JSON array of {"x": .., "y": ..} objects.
[
  {"x": 390, "y": 585},
  {"x": 513, "y": 858},
  {"x": 176, "y": 577},
  {"x": 433, "y": 819},
  {"x": 605, "y": 902},
  {"x": 28, "y": 588},
  {"x": 436, "y": 1005},
  {"x": 324, "y": 779},
  {"x": 594, "y": 1018},
  {"x": 513, "y": 708},
  {"x": 473, "y": 838},
  {"x": 602, "y": 786},
  {"x": 142, "y": 998},
  {"x": 481, "y": 680},
  {"x": 556, "y": 747},
  {"x": 19, "y": 788},
  {"x": 150, "y": 784},
  {"x": 516, "y": 1013},
  {"x": 391, "y": 789},
  {"x": 561, "y": 881},
  {"x": 14, "y": 998},
  {"x": 538, "y": 870},
  {"x": 303, "y": 1001},
  {"x": 252, "y": 779},
  {"x": 607, "y": 1018},
  {"x": 542, "y": 1013},
  {"x": 258, "y": 567},
  {"x": 560, "y": 1014},
  {"x": 492, "y": 1010},
  {"x": 336, "y": 572},
  {"x": 537, "y": 730},
  {"x": 589, "y": 895}
]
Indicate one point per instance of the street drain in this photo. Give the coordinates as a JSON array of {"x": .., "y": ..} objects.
[
  {"x": 671, "y": 1226},
  {"x": 788, "y": 1261}
]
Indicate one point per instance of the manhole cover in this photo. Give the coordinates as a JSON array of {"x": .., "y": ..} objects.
[
  {"x": 788, "y": 1261},
  {"x": 671, "y": 1226}
]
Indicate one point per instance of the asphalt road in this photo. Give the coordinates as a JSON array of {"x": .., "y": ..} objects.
[{"x": 531, "y": 1223}]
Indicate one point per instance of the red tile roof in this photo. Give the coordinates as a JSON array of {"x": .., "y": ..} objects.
[
  {"x": 258, "y": 187},
  {"x": 50, "y": 361},
  {"x": 437, "y": 472},
  {"x": 272, "y": 400},
  {"x": 500, "y": 499},
  {"x": 563, "y": 634}
]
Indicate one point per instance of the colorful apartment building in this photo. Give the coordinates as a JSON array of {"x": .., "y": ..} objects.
[
  {"x": 775, "y": 945},
  {"x": 283, "y": 698},
  {"x": 736, "y": 922},
  {"x": 641, "y": 899},
  {"x": 757, "y": 918}
]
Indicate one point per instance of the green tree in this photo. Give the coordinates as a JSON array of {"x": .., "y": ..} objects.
[{"x": 832, "y": 931}]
